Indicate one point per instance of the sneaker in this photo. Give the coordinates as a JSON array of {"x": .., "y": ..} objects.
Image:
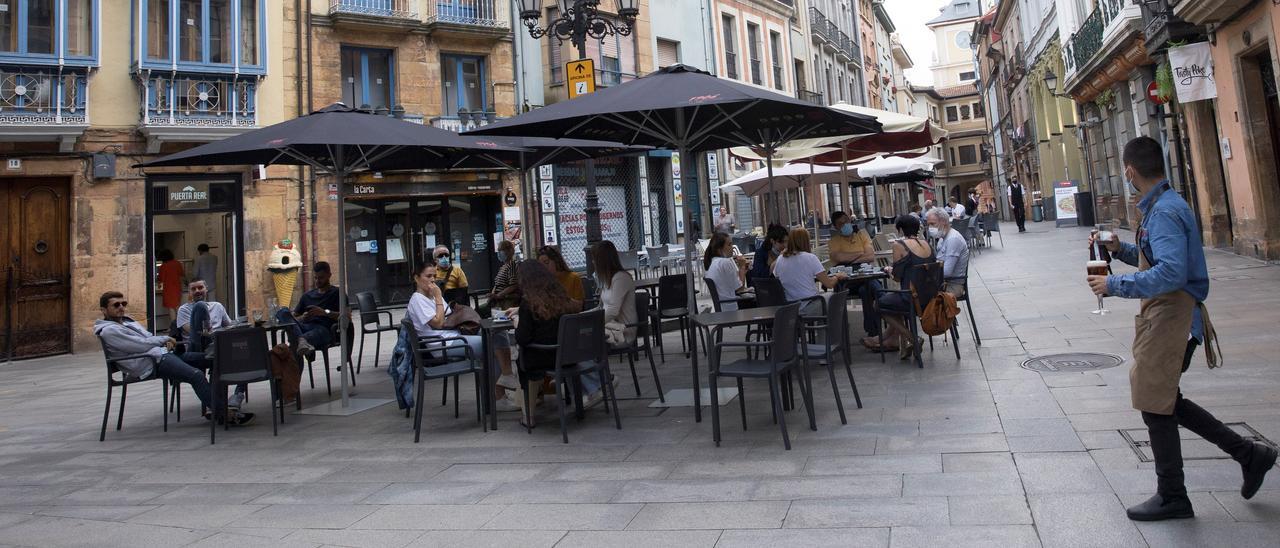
[
  {"x": 236, "y": 400},
  {"x": 594, "y": 399},
  {"x": 507, "y": 405},
  {"x": 305, "y": 348},
  {"x": 241, "y": 419},
  {"x": 509, "y": 382}
]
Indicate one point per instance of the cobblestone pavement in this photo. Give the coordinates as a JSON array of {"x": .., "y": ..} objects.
[{"x": 975, "y": 451}]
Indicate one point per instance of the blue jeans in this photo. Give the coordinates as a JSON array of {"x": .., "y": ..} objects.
[
  {"x": 316, "y": 333},
  {"x": 175, "y": 369}
]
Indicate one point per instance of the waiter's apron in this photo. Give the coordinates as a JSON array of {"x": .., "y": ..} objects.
[{"x": 1160, "y": 336}]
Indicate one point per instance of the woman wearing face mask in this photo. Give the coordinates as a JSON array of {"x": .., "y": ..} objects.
[
  {"x": 453, "y": 276},
  {"x": 774, "y": 242}
]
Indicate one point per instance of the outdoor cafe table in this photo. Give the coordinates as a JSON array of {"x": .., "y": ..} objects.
[
  {"x": 717, "y": 322},
  {"x": 489, "y": 326}
]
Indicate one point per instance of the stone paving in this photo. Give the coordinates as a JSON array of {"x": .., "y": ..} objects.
[{"x": 975, "y": 451}]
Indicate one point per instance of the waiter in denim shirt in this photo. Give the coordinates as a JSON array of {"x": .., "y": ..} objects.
[{"x": 1173, "y": 282}]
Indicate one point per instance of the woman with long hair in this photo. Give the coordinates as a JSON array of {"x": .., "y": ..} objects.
[
  {"x": 551, "y": 258},
  {"x": 728, "y": 273},
  {"x": 798, "y": 267},
  {"x": 543, "y": 301}
]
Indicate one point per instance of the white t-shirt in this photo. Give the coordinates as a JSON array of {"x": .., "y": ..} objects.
[
  {"x": 724, "y": 272},
  {"x": 218, "y": 317},
  {"x": 957, "y": 212},
  {"x": 421, "y": 311},
  {"x": 797, "y": 274}
]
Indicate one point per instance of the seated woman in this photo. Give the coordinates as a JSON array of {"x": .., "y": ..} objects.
[
  {"x": 543, "y": 301},
  {"x": 618, "y": 297},
  {"x": 909, "y": 251},
  {"x": 798, "y": 267},
  {"x": 427, "y": 310},
  {"x": 728, "y": 273},
  {"x": 551, "y": 258},
  {"x": 775, "y": 241},
  {"x": 505, "y": 295}
]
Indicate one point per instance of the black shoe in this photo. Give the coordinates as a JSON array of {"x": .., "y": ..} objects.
[
  {"x": 1159, "y": 508},
  {"x": 1263, "y": 458},
  {"x": 242, "y": 419}
]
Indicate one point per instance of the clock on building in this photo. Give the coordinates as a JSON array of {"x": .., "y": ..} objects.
[{"x": 962, "y": 39}]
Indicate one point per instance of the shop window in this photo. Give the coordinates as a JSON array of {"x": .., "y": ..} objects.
[
  {"x": 367, "y": 78},
  {"x": 463, "y": 77},
  {"x": 205, "y": 33},
  {"x": 37, "y": 28}
]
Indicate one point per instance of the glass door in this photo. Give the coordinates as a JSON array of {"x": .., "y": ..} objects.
[
  {"x": 396, "y": 252},
  {"x": 471, "y": 228}
]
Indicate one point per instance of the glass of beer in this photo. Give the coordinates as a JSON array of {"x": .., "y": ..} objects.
[{"x": 1098, "y": 268}]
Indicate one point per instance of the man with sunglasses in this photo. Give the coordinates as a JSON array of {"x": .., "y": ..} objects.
[{"x": 122, "y": 336}]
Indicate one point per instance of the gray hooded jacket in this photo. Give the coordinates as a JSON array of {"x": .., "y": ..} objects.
[{"x": 128, "y": 338}]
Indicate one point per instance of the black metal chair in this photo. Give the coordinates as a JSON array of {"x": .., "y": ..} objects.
[
  {"x": 673, "y": 294},
  {"x": 241, "y": 356},
  {"x": 963, "y": 281},
  {"x": 334, "y": 333},
  {"x": 643, "y": 342},
  {"x": 435, "y": 358},
  {"x": 371, "y": 316},
  {"x": 834, "y": 345},
  {"x": 113, "y": 369},
  {"x": 783, "y": 358},
  {"x": 920, "y": 285},
  {"x": 580, "y": 348},
  {"x": 456, "y": 296}
]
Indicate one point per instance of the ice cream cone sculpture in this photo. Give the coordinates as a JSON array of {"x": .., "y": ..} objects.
[{"x": 284, "y": 265}]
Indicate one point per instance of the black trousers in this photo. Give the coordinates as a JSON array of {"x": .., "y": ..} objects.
[
  {"x": 1020, "y": 217},
  {"x": 1167, "y": 448}
]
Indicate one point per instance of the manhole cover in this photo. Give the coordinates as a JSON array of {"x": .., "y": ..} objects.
[{"x": 1072, "y": 362}]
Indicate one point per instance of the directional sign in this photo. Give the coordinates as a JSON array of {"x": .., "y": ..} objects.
[{"x": 582, "y": 77}]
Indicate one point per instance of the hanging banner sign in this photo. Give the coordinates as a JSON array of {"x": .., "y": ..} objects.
[{"x": 1193, "y": 72}]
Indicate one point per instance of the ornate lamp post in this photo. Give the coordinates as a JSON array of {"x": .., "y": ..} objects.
[{"x": 578, "y": 20}]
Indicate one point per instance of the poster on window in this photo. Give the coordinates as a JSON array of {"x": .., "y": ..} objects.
[
  {"x": 1192, "y": 67},
  {"x": 1064, "y": 202},
  {"x": 680, "y": 221},
  {"x": 572, "y": 201},
  {"x": 549, "y": 235}
]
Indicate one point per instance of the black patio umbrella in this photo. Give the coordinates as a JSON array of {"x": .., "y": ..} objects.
[
  {"x": 341, "y": 140},
  {"x": 684, "y": 108},
  {"x": 527, "y": 153}
]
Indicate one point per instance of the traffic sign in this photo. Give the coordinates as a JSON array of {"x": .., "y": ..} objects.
[
  {"x": 1153, "y": 93},
  {"x": 581, "y": 76}
]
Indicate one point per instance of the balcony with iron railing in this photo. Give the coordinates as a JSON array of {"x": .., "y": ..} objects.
[
  {"x": 492, "y": 16},
  {"x": 377, "y": 13},
  {"x": 196, "y": 107},
  {"x": 465, "y": 121},
  {"x": 43, "y": 104},
  {"x": 810, "y": 96},
  {"x": 1085, "y": 43},
  {"x": 731, "y": 65},
  {"x": 845, "y": 51},
  {"x": 818, "y": 26}
]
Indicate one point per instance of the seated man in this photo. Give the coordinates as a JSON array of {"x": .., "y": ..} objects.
[
  {"x": 122, "y": 336},
  {"x": 315, "y": 314},
  {"x": 775, "y": 241},
  {"x": 196, "y": 315},
  {"x": 851, "y": 247},
  {"x": 952, "y": 251}
]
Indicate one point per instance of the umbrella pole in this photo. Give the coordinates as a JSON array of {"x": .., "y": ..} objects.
[
  {"x": 875, "y": 199},
  {"x": 846, "y": 193},
  {"x": 340, "y": 175}
]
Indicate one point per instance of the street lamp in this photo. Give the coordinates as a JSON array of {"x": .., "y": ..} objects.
[
  {"x": 1051, "y": 83},
  {"x": 578, "y": 20}
]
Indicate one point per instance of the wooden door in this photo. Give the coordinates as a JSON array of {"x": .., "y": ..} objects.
[{"x": 36, "y": 242}]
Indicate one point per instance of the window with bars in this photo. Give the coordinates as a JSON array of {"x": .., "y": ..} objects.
[
  {"x": 730, "y": 47},
  {"x": 753, "y": 50},
  {"x": 775, "y": 52}
]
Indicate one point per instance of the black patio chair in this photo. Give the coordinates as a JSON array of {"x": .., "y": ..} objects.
[
  {"x": 323, "y": 351},
  {"x": 921, "y": 283},
  {"x": 241, "y": 356},
  {"x": 673, "y": 292},
  {"x": 968, "y": 305},
  {"x": 643, "y": 342},
  {"x": 113, "y": 369},
  {"x": 783, "y": 358},
  {"x": 436, "y": 358},
  {"x": 371, "y": 322},
  {"x": 834, "y": 345},
  {"x": 580, "y": 348}
]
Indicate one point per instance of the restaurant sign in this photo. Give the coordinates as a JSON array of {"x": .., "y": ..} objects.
[
  {"x": 189, "y": 196},
  {"x": 364, "y": 191}
]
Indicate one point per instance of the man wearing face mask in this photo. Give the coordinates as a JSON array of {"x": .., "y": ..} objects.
[
  {"x": 1173, "y": 282},
  {"x": 453, "y": 276},
  {"x": 952, "y": 249},
  {"x": 850, "y": 246},
  {"x": 775, "y": 241}
]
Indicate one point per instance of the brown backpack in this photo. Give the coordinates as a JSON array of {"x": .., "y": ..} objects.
[{"x": 939, "y": 314}]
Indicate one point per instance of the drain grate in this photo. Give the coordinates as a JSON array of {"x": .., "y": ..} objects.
[
  {"x": 1194, "y": 448},
  {"x": 1072, "y": 362}
]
